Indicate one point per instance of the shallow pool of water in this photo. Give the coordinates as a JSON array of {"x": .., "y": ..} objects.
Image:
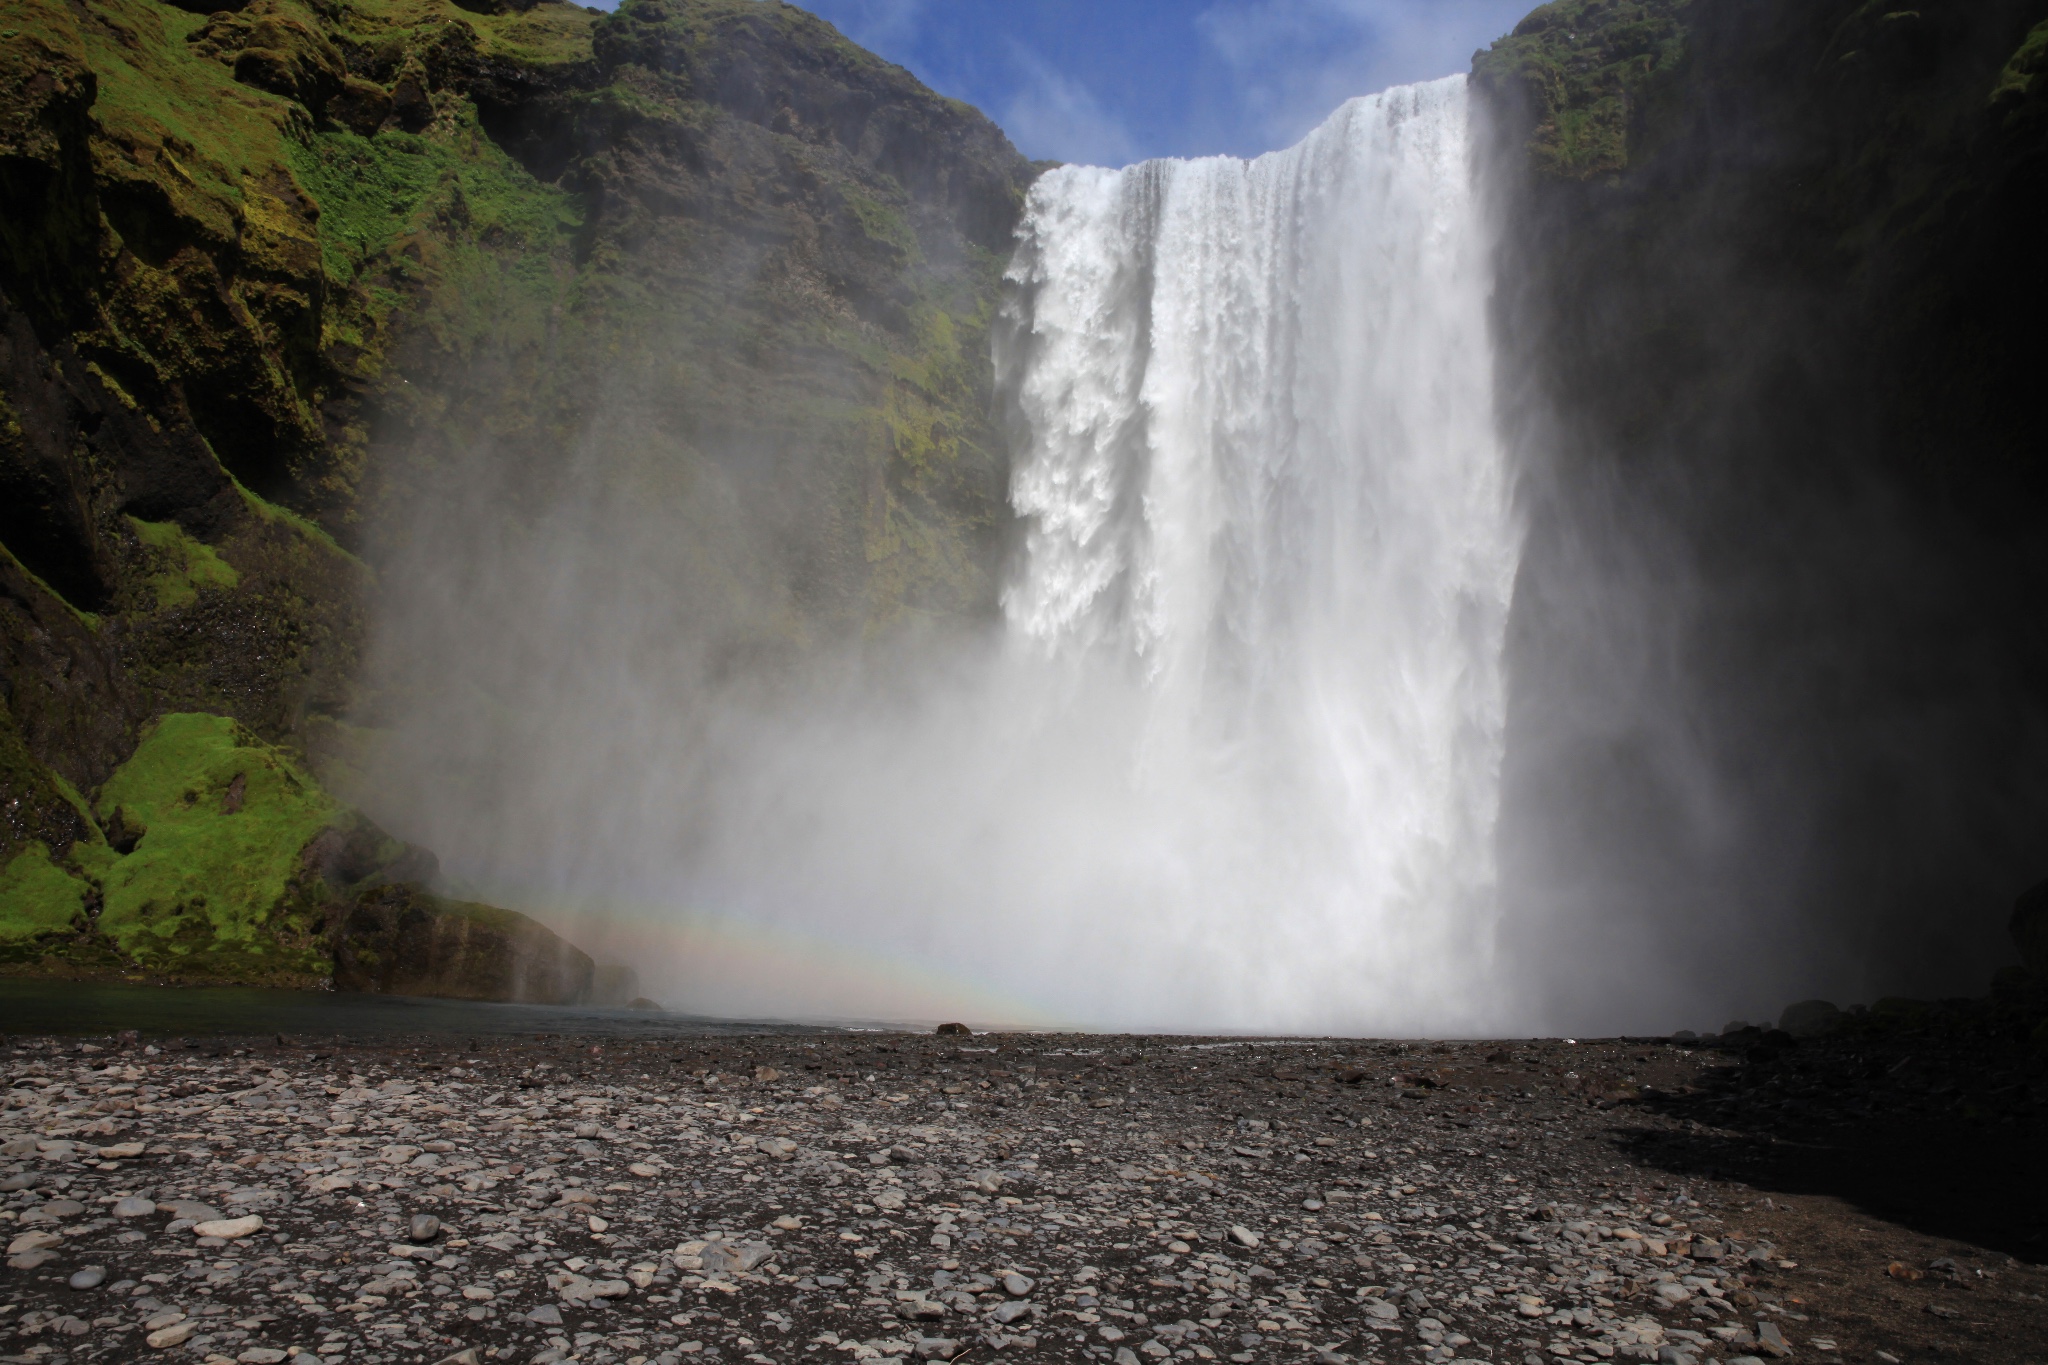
[{"x": 69, "y": 1007}]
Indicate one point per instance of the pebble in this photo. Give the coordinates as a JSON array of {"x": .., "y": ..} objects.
[
  {"x": 177, "y": 1334},
  {"x": 1027, "y": 1198}
]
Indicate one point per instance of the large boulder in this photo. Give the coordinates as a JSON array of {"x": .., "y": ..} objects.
[
  {"x": 202, "y": 876},
  {"x": 400, "y": 940}
]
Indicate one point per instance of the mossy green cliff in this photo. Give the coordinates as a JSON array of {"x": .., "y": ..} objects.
[{"x": 271, "y": 271}]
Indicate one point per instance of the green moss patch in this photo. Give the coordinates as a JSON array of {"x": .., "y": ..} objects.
[
  {"x": 185, "y": 565},
  {"x": 38, "y": 898},
  {"x": 374, "y": 190},
  {"x": 1584, "y": 70},
  {"x": 213, "y": 887},
  {"x": 2027, "y": 63}
]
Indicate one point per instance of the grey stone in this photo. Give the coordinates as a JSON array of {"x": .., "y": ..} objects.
[
  {"x": 730, "y": 1257},
  {"x": 1007, "y": 1313},
  {"x": 189, "y": 1211},
  {"x": 425, "y": 1227},
  {"x": 91, "y": 1277},
  {"x": 1017, "y": 1285},
  {"x": 133, "y": 1207}
]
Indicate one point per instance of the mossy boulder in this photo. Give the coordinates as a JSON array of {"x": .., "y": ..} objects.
[
  {"x": 212, "y": 856},
  {"x": 40, "y": 900},
  {"x": 212, "y": 884}
]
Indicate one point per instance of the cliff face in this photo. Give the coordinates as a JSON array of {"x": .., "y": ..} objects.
[
  {"x": 276, "y": 277},
  {"x": 1769, "y": 281}
]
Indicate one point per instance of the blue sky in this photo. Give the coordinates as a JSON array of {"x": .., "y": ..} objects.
[{"x": 1114, "y": 81}]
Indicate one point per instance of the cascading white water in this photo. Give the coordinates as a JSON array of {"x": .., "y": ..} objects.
[{"x": 1261, "y": 474}]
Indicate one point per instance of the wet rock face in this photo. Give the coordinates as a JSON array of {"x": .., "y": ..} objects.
[
  {"x": 255, "y": 278},
  {"x": 1766, "y": 283},
  {"x": 400, "y": 940}
]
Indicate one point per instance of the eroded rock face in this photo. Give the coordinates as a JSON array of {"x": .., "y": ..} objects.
[
  {"x": 1768, "y": 275},
  {"x": 400, "y": 940},
  {"x": 299, "y": 260}
]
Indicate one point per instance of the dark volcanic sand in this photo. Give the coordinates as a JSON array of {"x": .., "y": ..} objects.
[{"x": 1027, "y": 1197}]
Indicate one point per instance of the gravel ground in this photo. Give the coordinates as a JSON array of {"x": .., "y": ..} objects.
[{"x": 1024, "y": 1197}]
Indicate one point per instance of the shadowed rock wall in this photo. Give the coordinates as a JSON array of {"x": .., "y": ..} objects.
[{"x": 1768, "y": 288}]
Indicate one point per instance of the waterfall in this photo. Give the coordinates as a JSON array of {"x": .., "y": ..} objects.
[
  {"x": 1230, "y": 760},
  {"x": 1257, "y": 473}
]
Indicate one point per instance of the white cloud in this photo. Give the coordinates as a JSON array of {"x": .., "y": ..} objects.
[
  {"x": 1055, "y": 117},
  {"x": 883, "y": 26},
  {"x": 1296, "y": 60}
]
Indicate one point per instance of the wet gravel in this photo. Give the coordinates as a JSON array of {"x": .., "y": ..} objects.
[{"x": 902, "y": 1197}]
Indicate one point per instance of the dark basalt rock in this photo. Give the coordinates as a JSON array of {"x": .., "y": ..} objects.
[
  {"x": 360, "y": 106},
  {"x": 400, "y": 940},
  {"x": 1769, "y": 278}
]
